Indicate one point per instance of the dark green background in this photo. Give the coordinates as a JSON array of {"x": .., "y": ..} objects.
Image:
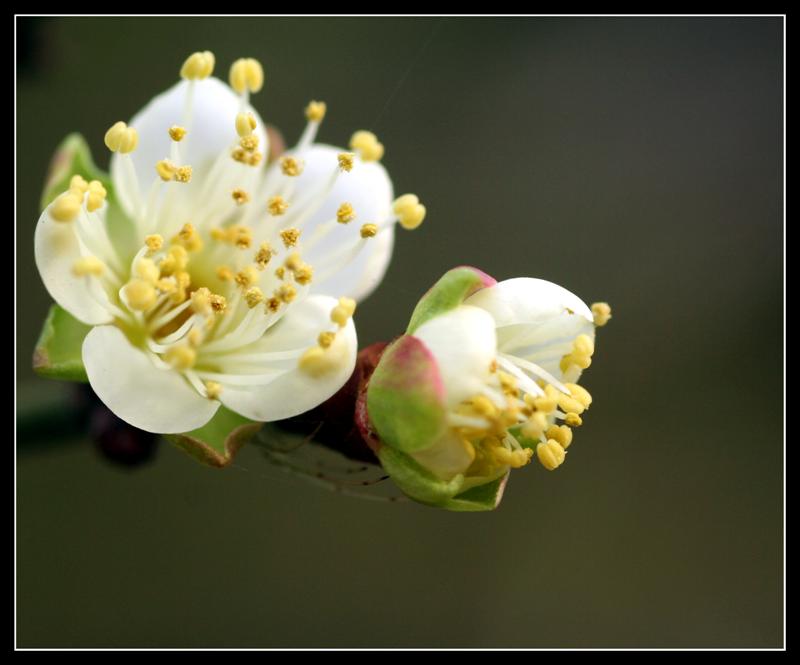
[{"x": 637, "y": 161}]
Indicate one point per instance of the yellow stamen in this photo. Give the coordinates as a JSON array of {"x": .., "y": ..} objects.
[
  {"x": 201, "y": 301},
  {"x": 253, "y": 296},
  {"x": 246, "y": 74},
  {"x": 263, "y": 255},
  {"x": 66, "y": 207},
  {"x": 345, "y": 213},
  {"x": 346, "y": 161},
  {"x": 343, "y": 311},
  {"x": 183, "y": 174},
  {"x": 550, "y": 454},
  {"x": 285, "y": 293},
  {"x": 573, "y": 420},
  {"x": 369, "y": 230},
  {"x": 560, "y": 433},
  {"x": 181, "y": 357},
  {"x": 147, "y": 270},
  {"x": 325, "y": 339},
  {"x": 273, "y": 304},
  {"x": 225, "y": 273},
  {"x": 247, "y": 276},
  {"x": 213, "y": 389},
  {"x": 290, "y": 237},
  {"x": 579, "y": 393},
  {"x": 304, "y": 274},
  {"x": 545, "y": 404},
  {"x": 88, "y": 265},
  {"x": 195, "y": 337},
  {"x": 570, "y": 404},
  {"x": 96, "y": 195},
  {"x": 249, "y": 143},
  {"x": 218, "y": 303},
  {"x": 535, "y": 425},
  {"x": 245, "y": 124},
  {"x": 176, "y": 133},
  {"x": 280, "y": 272},
  {"x": 166, "y": 170},
  {"x": 315, "y": 111},
  {"x": 410, "y": 212},
  {"x": 240, "y": 196},
  {"x": 189, "y": 238},
  {"x": 368, "y": 145},
  {"x": 277, "y": 205},
  {"x": 154, "y": 243},
  {"x": 79, "y": 184},
  {"x": 583, "y": 345},
  {"x": 199, "y": 65},
  {"x": 291, "y": 166},
  {"x": 167, "y": 285},
  {"x": 515, "y": 459},
  {"x": 140, "y": 294},
  {"x": 121, "y": 138},
  {"x": 601, "y": 312}
]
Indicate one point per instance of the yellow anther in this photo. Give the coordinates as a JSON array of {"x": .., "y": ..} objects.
[
  {"x": 545, "y": 404},
  {"x": 263, "y": 255},
  {"x": 242, "y": 236},
  {"x": 166, "y": 170},
  {"x": 247, "y": 276},
  {"x": 325, "y": 339},
  {"x": 315, "y": 111},
  {"x": 245, "y": 124},
  {"x": 246, "y": 74},
  {"x": 346, "y": 161},
  {"x": 290, "y": 237},
  {"x": 315, "y": 362},
  {"x": 583, "y": 346},
  {"x": 167, "y": 285},
  {"x": 573, "y": 420},
  {"x": 188, "y": 238},
  {"x": 181, "y": 357},
  {"x": 218, "y": 303},
  {"x": 199, "y": 65},
  {"x": 345, "y": 213},
  {"x": 293, "y": 261},
  {"x": 601, "y": 312},
  {"x": 550, "y": 454},
  {"x": 249, "y": 143},
  {"x": 304, "y": 274},
  {"x": 66, "y": 207},
  {"x": 410, "y": 212},
  {"x": 285, "y": 293},
  {"x": 240, "y": 196},
  {"x": 201, "y": 301},
  {"x": 273, "y": 304},
  {"x": 183, "y": 174},
  {"x": 183, "y": 279},
  {"x": 343, "y": 311},
  {"x": 253, "y": 296},
  {"x": 368, "y": 145},
  {"x": 280, "y": 272},
  {"x": 240, "y": 155},
  {"x": 369, "y": 230},
  {"x": 224, "y": 273},
  {"x": 535, "y": 425},
  {"x": 515, "y": 459},
  {"x": 254, "y": 159},
  {"x": 153, "y": 243},
  {"x": 579, "y": 393},
  {"x": 291, "y": 166},
  {"x": 580, "y": 361},
  {"x": 96, "y": 195},
  {"x": 508, "y": 383},
  {"x": 483, "y": 406},
  {"x": 88, "y": 265},
  {"x": 176, "y": 133},
  {"x": 213, "y": 389},
  {"x": 78, "y": 184},
  {"x": 147, "y": 270},
  {"x": 560, "y": 433},
  {"x": 277, "y": 205},
  {"x": 570, "y": 404},
  {"x": 121, "y": 138},
  {"x": 176, "y": 260},
  {"x": 140, "y": 294}
]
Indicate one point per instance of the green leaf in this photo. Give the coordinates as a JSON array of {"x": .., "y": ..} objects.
[
  {"x": 217, "y": 442},
  {"x": 72, "y": 157},
  {"x": 405, "y": 398},
  {"x": 448, "y": 293},
  {"x": 480, "y": 498},
  {"x": 58, "y": 351}
]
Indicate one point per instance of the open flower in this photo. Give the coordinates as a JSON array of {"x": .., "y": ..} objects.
[
  {"x": 209, "y": 277},
  {"x": 485, "y": 378}
]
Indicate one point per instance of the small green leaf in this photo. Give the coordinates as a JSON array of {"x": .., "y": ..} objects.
[
  {"x": 72, "y": 157},
  {"x": 480, "y": 498},
  {"x": 416, "y": 481},
  {"x": 405, "y": 398},
  {"x": 217, "y": 442},
  {"x": 58, "y": 351},
  {"x": 448, "y": 293}
]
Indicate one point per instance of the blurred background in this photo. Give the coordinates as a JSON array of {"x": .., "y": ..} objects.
[{"x": 637, "y": 161}]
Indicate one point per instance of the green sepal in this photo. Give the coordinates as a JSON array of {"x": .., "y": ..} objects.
[
  {"x": 58, "y": 351},
  {"x": 217, "y": 442},
  {"x": 72, "y": 157},
  {"x": 477, "y": 499},
  {"x": 405, "y": 398},
  {"x": 448, "y": 293},
  {"x": 416, "y": 481}
]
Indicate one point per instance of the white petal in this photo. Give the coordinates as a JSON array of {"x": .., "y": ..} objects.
[
  {"x": 448, "y": 457},
  {"x": 369, "y": 190},
  {"x": 144, "y": 396},
  {"x": 212, "y": 131},
  {"x": 56, "y": 249},
  {"x": 464, "y": 344},
  {"x": 293, "y": 391},
  {"x": 536, "y": 319}
]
